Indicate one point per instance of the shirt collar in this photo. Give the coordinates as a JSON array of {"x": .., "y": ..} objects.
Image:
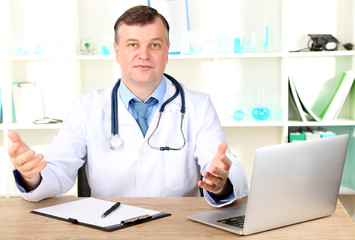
[{"x": 126, "y": 95}]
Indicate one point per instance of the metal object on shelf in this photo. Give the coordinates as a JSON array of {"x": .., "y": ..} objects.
[
  {"x": 86, "y": 46},
  {"x": 47, "y": 120}
]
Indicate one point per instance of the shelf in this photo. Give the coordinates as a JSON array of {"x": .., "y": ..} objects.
[
  {"x": 232, "y": 123},
  {"x": 186, "y": 56},
  {"x": 40, "y": 58},
  {"x": 321, "y": 123},
  {"x": 322, "y": 54},
  {"x": 253, "y": 55},
  {"x": 227, "y": 55},
  {"x": 30, "y": 126},
  {"x": 172, "y": 56},
  {"x": 95, "y": 57}
]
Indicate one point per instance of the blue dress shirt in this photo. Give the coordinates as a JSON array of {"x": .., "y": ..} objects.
[{"x": 126, "y": 96}]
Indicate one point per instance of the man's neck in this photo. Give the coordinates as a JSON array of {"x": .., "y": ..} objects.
[{"x": 141, "y": 90}]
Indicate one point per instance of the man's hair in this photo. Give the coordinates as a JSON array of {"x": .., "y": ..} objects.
[{"x": 139, "y": 15}]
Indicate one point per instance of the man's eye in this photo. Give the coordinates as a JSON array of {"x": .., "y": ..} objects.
[
  {"x": 155, "y": 45},
  {"x": 132, "y": 45}
]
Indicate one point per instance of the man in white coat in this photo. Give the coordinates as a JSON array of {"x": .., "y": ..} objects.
[{"x": 136, "y": 169}]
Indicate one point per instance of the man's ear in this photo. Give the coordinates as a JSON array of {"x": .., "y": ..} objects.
[
  {"x": 167, "y": 55},
  {"x": 115, "y": 47}
]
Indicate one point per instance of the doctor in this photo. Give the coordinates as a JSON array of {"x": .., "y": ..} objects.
[{"x": 135, "y": 168}]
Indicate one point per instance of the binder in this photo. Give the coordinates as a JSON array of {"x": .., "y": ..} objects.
[
  {"x": 335, "y": 104},
  {"x": 88, "y": 212},
  {"x": 295, "y": 99},
  {"x": 325, "y": 133},
  {"x": 312, "y": 134},
  {"x": 304, "y": 111}
]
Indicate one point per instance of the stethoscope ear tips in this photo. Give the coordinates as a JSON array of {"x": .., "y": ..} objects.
[{"x": 116, "y": 142}]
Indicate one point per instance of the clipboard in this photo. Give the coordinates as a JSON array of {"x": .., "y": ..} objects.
[
  {"x": 27, "y": 101},
  {"x": 88, "y": 211}
]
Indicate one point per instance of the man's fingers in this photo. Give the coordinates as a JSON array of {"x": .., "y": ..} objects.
[
  {"x": 220, "y": 173},
  {"x": 13, "y": 149},
  {"x": 226, "y": 163},
  {"x": 31, "y": 163},
  {"x": 217, "y": 175},
  {"x": 25, "y": 157},
  {"x": 18, "y": 146},
  {"x": 36, "y": 169},
  {"x": 32, "y": 169},
  {"x": 14, "y": 137},
  {"x": 212, "y": 178},
  {"x": 222, "y": 148},
  {"x": 221, "y": 160},
  {"x": 26, "y": 161},
  {"x": 206, "y": 186}
]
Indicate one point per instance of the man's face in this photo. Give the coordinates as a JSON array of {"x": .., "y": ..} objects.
[{"x": 142, "y": 53}]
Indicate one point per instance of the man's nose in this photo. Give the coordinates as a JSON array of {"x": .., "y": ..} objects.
[{"x": 144, "y": 53}]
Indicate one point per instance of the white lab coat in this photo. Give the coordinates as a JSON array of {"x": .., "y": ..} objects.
[{"x": 136, "y": 169}]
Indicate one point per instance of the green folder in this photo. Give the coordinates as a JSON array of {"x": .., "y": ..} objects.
[{"x": 296, "y": 136}]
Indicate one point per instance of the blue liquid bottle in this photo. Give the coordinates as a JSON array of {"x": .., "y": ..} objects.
[
  {"x": 239, "y": 115},
  {"x": 260, "y": 112}
]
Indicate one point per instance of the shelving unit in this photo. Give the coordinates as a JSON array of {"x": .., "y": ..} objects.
[{"x": 231, "y": 79}]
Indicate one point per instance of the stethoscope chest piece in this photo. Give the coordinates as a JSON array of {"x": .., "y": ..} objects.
[{"x": 115, "y": 142}]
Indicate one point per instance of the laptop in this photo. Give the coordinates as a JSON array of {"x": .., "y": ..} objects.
[{"x": 291, "y": 183}]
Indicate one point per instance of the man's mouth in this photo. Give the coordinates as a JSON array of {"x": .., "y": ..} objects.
[{"x": 143, "y": 66}]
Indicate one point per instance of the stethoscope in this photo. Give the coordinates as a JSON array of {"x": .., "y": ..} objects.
[{"x": 116, "y": 141}]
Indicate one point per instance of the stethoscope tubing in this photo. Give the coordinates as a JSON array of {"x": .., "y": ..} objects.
[{"x": 114, "y": 116}]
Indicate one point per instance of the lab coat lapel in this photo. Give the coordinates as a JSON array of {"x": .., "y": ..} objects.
[
  {"x": 106, "y": 106},
  {"x": 124, "y": 117}
]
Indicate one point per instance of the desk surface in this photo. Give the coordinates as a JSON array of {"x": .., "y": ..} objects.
[{"x": 16, "y": 222}]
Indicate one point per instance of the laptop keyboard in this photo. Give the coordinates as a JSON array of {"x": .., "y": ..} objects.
[{"x": 237, "y": 221}]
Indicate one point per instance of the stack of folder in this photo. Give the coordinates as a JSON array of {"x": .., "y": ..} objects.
[{"x": 302, "y": 134}]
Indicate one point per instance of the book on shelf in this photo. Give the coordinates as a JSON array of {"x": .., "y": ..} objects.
[
  {"x": 305, "y": 112},
  {"x": 295, "y": 100},
  {"x": 332, "y": 109}
]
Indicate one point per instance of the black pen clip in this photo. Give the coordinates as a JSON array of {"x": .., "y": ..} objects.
[
  {"x": 136, "y": 220},
  {"x": 73, "y": 220}
]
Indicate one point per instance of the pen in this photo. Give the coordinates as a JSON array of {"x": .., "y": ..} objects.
[{"x": 111, "y": 209}]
